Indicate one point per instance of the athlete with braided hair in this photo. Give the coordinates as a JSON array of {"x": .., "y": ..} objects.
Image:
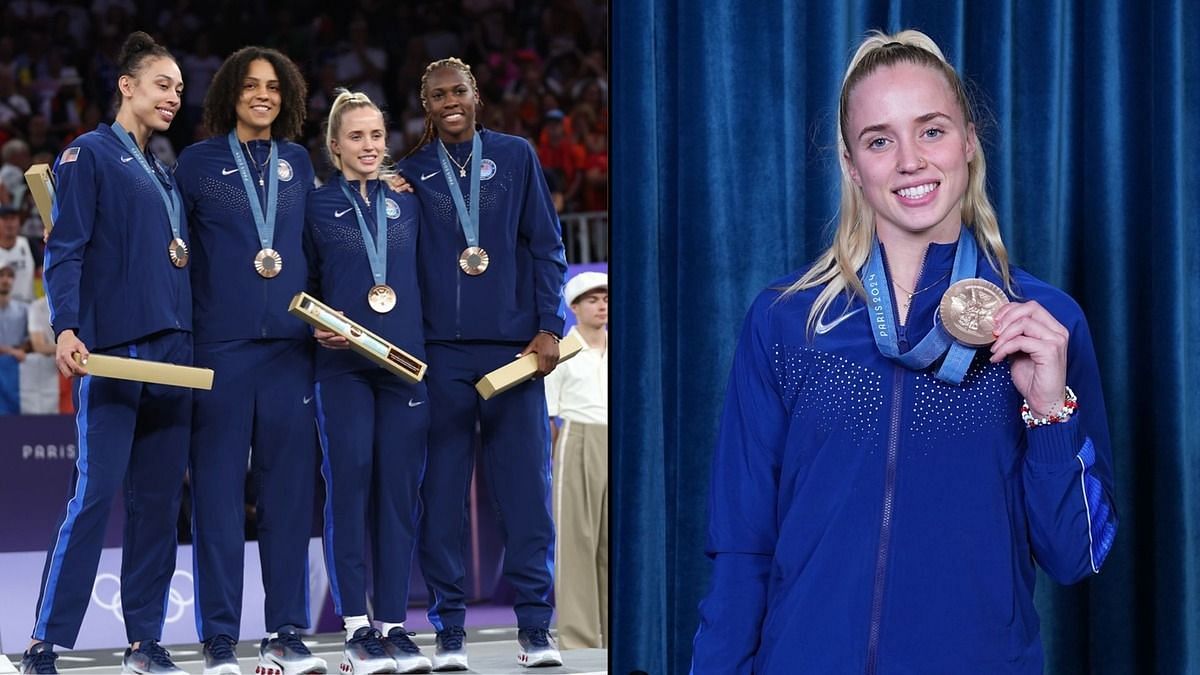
[{"x": 491, "y": 266}]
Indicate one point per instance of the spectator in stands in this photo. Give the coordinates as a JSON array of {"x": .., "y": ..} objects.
[
  {"x": 561, "y": 154},
  {"x": 15, "y": 156},
  {"x": 16, "y": 254},
  {"x": 38, "y": 374},
  {"x": 14, "y": 342},
  {"x": 14, "y": 107}
]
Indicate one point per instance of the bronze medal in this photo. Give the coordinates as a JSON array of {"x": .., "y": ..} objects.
[
  {"x": 178, "y": 251},
  {"x": 268, "y": 263},
  {"x": 473, "y": 261},
  {"x": 967, "y": 308},
  {"x": 381, "y": 298}
]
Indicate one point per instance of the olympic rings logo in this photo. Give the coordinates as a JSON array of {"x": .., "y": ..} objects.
[{"x": 106, "y": 594}]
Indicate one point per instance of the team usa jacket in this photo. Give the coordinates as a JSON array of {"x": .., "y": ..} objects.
[
  {"x": 340, "y": 273},
  {"x": 520, "y": 292},
  {"x": 869, "y": 518},
  {"x": 232, "y": 302},
  {"x": 108, "y": 275}
]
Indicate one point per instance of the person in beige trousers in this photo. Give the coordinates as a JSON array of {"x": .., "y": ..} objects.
[{"x": 577, "y": 393}]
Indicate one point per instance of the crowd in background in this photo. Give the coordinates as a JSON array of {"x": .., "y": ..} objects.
[{"x": 541, "y": 68}]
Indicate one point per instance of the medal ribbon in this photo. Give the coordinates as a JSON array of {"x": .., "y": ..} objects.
[
  {"x": 265, "y": 225},
  {"x": 937, "y": 342},
  {"x": 376, "y": 254},
  {"x": 170, "y": 199},
  {"x": 467, "y": 218}
]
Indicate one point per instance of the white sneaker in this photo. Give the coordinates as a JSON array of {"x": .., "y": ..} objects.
[
  {"x": 365, "y": 655},
  {"x": 407, "y": 655},
  {"x": 451, "y": 653},
  {"x": 537, "y": 648}
]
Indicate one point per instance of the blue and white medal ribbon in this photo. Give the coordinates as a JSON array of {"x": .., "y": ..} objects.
[
  {"x": 177, "y": 249},
  {"x": 474, "y": 259},
  {"x": 268, "y": 263},
  {"x": 937, "y": 342},
  {"x": 381, "y": 297}
]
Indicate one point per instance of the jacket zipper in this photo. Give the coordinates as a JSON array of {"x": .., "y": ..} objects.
[{"x": 885, "y": 526}]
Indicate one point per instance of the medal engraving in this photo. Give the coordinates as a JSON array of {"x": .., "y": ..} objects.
[
  {"x": 268, "y": 263},
  {"x": 967, "y": 308},
  {"x": 473, "y": 261},
  {"x": 178, "y": 251},
  {"x": 381, "y": 298}
]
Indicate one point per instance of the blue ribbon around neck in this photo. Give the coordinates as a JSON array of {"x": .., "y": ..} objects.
[
  {"x": 468, "y": 218},
  {"x": 170, "y": 199},
  {"x": 937, "y": 342},
  {"x": 264, "y": 224},
  {"x": 377, "y": 248}
]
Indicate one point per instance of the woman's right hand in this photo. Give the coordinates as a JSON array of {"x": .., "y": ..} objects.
[
  {"x": 64, "y": 354},
  {"x": 330, "y": 339}
]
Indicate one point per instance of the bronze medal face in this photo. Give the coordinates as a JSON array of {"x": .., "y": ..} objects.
[
  {"x": 268, "y": 263},
  {"x": 381, "y": 298},
  {"x": 178, "y": 251},
  {"x": 473, "y": 261},
  {"x": 967, "y": 308}
]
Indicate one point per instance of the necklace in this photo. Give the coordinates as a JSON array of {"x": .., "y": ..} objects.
[
  {"x": 462, "y": 168},
  {"x": 911, "y": 294},
  {"x": 260, "y": 167}
]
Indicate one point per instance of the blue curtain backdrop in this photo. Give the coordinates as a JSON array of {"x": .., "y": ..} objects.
[{"x": 725, "y": 178}]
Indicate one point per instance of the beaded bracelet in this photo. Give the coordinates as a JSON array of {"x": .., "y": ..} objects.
[
  {"x": 552, "y": 334},
  {"x": 1070, "y": 404}
]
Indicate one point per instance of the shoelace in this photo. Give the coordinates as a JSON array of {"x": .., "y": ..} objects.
[
  {"x": 403, "y": 640},
  {"x": 221, "y": 648},
  {"x": 451, "y": 638},
  {"x": 369, "y": 639},
  {"x": 538, "y": 637},
  {"x": 42, "y": 660},
  {"x": 157, "y": 653},
  {"x": 293, "y": 642}
]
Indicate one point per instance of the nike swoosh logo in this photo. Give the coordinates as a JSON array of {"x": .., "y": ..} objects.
[
  {"x": 411, "y": 404},
  {"x": 823, "y": 328},
  {"x": 226, "y": 172},
  {"x": 428, "y": 176},
  {"x": 307, "y": 400},
  {"x": 126, "y": 159},
  {"x": 339, "y": 214}
]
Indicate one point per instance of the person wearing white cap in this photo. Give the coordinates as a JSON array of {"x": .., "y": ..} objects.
[{"x": 577, "y": 393}]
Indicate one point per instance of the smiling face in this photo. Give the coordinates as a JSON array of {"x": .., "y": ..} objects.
[
  {"x": 450, "y": 102},
  {"x": 259, "y": 101},
  {"x": 153, "y": 96},
  {"x": 360, "y": 143},
  {"x": 908, "y": 149}
]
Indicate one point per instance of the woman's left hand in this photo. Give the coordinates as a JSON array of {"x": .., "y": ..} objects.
[
  {"x": 399, "y": 183},
  {"x": 1036, "y": 345}
]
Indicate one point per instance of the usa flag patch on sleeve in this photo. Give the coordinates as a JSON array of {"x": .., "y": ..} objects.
[{"x": 69, "y": 155}]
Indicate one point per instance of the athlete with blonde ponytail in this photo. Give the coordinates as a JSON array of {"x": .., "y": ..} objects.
[
  {"x": 361, "y": 242},
  {"x": 880, "y": 491}
]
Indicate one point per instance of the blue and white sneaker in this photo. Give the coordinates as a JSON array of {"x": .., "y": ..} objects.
[
  {"x": 287, "y": 655},
  {"x": 149, "y": 659},
  {"x": 450, "y": 653},
  {"x": 405, "y": 652},
  {"x": 220, "y": 657},
  {"x": 39, "y": 659},
  {"x": 364, "y": 654},
  {"x": 537, "y": 648}
]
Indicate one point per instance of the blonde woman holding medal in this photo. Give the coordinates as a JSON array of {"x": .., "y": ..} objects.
[
  {"x": 117, "y": 282},
  {"x": 244, "y": 190},
  {"x": 361, "y": 240},
  {"x": 492, "y": 269},
  {"x": 911, "y": 423}
]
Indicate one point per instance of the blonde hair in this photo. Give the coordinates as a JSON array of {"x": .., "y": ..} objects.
[
  {"x": 344, "y": 102},
  {"x": 837, "y": 267}
]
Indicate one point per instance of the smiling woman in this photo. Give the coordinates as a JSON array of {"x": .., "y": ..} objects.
[
  {"x": 880, "y": 491},
  {"x": 117, "y": 284}
]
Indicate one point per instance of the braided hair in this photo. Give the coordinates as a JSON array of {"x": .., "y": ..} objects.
[{"x": 430, "y": 131}]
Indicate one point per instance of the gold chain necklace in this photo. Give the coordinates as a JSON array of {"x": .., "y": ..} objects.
[{"x": 462, "y": 168}]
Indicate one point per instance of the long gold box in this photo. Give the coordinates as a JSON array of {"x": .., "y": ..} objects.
[
  {"x": 385, "y": 354},
  {"x": 510, "y": 375}
]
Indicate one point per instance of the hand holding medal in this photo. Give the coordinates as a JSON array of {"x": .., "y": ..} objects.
[{"x": 1036, "y": 345}]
